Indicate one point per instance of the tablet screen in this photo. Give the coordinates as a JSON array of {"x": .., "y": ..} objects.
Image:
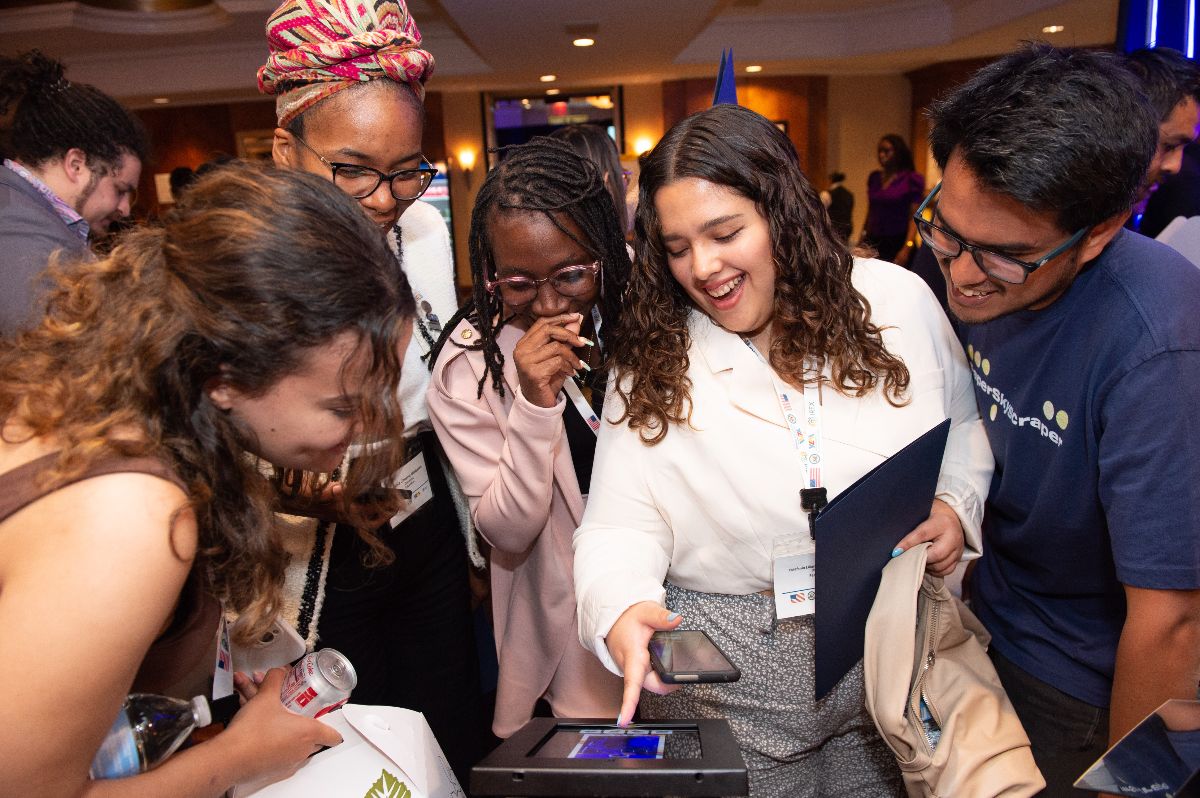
[{"x": 615, "y": 743}]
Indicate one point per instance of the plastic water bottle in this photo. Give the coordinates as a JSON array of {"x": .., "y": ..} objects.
[{"x": 148, "y": 729}]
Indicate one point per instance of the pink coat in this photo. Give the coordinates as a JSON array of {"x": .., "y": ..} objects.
[{"x": 513, "y": 462}]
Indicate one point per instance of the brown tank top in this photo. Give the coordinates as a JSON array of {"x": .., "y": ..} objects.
[{"x": 178, "y": 651}]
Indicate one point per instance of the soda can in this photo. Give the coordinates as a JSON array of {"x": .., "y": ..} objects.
[{"x": 319, "y": 682}]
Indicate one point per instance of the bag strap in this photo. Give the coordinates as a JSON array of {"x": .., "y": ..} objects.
[{"x": 22, "y": 486}]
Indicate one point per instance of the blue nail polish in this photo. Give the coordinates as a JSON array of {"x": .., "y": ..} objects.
[
  {"x": 671, "y": 618},
  {"x": 896, "y": 552}
]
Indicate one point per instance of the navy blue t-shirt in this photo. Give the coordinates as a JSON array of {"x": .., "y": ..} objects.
[{"x": 1092, "y": 408}]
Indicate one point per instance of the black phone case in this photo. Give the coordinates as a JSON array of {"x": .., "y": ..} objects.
[{"x": 732, "y": 674}]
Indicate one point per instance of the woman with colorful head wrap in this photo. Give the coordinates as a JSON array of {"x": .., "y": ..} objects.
[{"x": 349, "y": 81}]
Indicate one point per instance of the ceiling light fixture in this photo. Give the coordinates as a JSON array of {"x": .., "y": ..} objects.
[
  {"x": 1053, "y": 29},
  {"x": 584, "y": 41},
  {"x": 553, "y": 91},
  {"x": 548, "y": 78},
  {"x": 161, "y": 100},
  {"x": 754, "y": 68}
]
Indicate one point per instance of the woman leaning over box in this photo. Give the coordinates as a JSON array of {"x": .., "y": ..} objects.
[
  {"x": 131, "y": 508},
  {"x": 696, "y": 473}
]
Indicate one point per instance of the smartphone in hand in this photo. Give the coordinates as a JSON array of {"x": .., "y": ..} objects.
[{"x": 689, "y": 656}]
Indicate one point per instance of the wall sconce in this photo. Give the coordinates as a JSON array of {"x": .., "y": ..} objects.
[
  {"x": 642, "y": 144},
  {"x": 466, "y": 162}
]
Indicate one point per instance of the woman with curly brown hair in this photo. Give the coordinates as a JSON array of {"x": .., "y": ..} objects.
[
  {"x": 742, "y": 295},
  {"x": 265, "y": 317}
]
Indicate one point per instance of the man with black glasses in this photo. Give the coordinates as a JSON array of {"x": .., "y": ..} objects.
[{"x": 1084, "y": 341}]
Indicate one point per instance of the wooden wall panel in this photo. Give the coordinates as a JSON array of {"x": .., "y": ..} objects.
[{"x": 799, "y": 101}]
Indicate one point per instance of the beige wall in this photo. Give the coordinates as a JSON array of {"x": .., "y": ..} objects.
[{"x": 861, "y": 109}]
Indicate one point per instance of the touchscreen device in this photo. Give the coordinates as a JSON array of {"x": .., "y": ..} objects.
[
  {"x": 587, "y": 757},
  {"x": 613, "y": 742},
  {"x": 685, "y": 656}
]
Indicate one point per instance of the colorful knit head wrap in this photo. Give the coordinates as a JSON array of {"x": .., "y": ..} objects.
[{"x": 319, "y": 47}]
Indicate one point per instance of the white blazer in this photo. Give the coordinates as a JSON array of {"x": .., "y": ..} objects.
[{"x": 704, "y": 507}]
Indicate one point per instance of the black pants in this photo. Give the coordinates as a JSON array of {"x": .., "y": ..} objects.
[
  {"x": 407, "y": 627},
  {"x": 1067, "y": 735}
]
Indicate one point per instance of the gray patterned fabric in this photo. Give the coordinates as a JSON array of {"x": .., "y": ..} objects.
[{"x": 792, "y": 746}]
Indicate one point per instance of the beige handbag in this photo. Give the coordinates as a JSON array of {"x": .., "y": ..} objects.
[{"x": 983, "y": 750}]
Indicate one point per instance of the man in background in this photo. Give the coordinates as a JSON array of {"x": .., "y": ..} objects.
[
  {"x": 1084, "y": 344},
  {"x": 1171, "y": 83},
  {"x": 74, "y": 161}
]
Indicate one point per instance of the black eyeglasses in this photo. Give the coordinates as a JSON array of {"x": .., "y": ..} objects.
[
  {"x": 1004, "y": 268},
  {"x": 568, "y": 281},
  {"x": 362, "y": 181}
]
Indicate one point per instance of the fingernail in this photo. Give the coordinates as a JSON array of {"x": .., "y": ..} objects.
[
  {"x": 584, "y": 366},
  {"x": 896, "y": 552},
  {"x": 671, "y": 618},
  {"x": 621, "y": 719},
  {"x": 585, "y": 342}
]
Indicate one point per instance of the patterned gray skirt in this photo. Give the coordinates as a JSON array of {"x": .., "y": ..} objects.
[{"x": 793, "y": 746}]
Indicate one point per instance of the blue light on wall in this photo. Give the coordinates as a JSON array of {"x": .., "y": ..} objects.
[{"x": 1158, "y": 23}]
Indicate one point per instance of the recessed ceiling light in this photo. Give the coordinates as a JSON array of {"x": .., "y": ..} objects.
[
  {"x": 1053, "y": 29},
  {"x": 161, "y": 100},
  {"x": 754, "y": 68},
  {"x": 548, "y": 78},
  {"x": 584, "y": 41},
  {"x": 553, "y": 91}
]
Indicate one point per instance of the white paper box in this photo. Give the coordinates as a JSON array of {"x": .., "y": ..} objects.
[{"x": 386, "y": 752}]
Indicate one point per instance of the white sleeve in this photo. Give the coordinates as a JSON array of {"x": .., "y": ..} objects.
[{"x": 623, "y": 547}]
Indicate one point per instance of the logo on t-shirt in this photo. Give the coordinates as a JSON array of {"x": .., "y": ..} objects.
[{"x": 981, "y": 367}]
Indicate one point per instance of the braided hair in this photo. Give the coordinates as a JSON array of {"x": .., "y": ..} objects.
[
  {"x": 545, "y": 176},
  {"x": 53, "y": 115}
]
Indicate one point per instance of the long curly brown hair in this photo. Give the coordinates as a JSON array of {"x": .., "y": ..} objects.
[
  {"x": 819, "y": 318},
  {"x": 253, "y": 268}
]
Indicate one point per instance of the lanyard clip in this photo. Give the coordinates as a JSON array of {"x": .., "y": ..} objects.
[{"x": 813, "y": 500}]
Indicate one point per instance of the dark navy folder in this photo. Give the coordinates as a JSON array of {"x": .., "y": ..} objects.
[{"x": 855, "y": 535}]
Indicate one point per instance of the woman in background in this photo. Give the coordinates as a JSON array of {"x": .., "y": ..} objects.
[
  {"x": 516, "y": 390},
  {"x": 131, "y": 510},
  {"x": 893, "y": 191},
  {"x": 593, "y": 143},
  {"x": 742, "y": 292}
]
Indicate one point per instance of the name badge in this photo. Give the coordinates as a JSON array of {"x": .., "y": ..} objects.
[
  {"x": 795, "y": 583},
  {"x": 412, "y": 477}
]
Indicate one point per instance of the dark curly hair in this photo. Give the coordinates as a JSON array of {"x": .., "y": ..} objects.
[
  {"x": 544, "y": 176},
  {"x": 818, "y": 316},
  {"x": 53, "y": 115},
  {"x": 251, "y": 269},
  {"x": 1167, "y": 77}
]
